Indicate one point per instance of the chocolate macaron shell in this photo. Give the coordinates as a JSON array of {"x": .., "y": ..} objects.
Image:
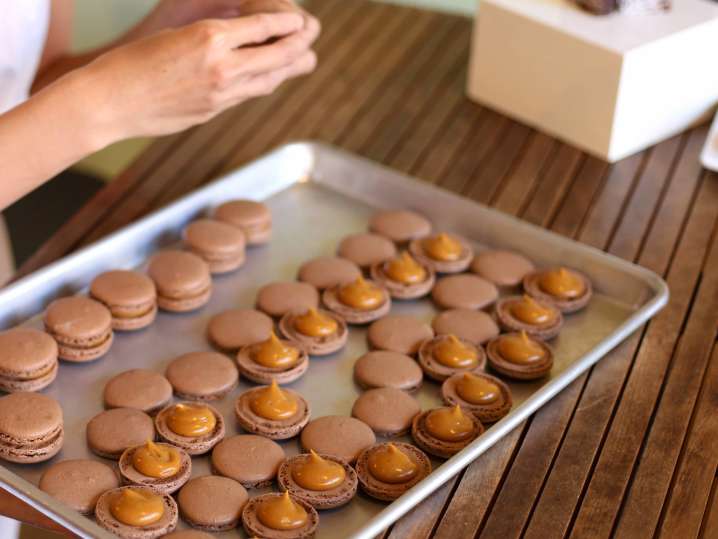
[
  {"x": 202, "y": 376},
  {"x": 319, "y": 499},
  {"x": 138, "y": 388},
  {"x": 436, "y": 370},
  {"x": 252, "y": 460},
  {"x": 477, "y": 327},
  {"x": 81, "y": 326},
  {"x": 328, "y": 271},
  {"x": 278, "y": 298},
  {"x": 254, "y": 527},
  {"x": 352, "y": 315},
  {"x": 31, "y": 427},
  {"x": 194, "y": 446},
  {"x": 233, "y": 329},
  {"x": 516, "y": 371},
  {"x": 440, "y": 448},
  {"x": 259, "y": 374},
  {"x": 110, "y": 432},
  {"x": 566, "y": 306},
  {"x": 366, "y": 249},
  {"x": 189, "y": 534},
  {"x": 400, "y": 290},
  {"x": 282, "y": 429},
  {"x": 316, "y": 346},
  {"x": 78, "y": 483},
  {"x": 341, "y": 436},
  {"x": 163, "y": 526},
  {"x": 165, "y": 485},
  {"x": 416, "y": 248},
  {"x": 130, "y": 296},
  {"x": 506, "y": 269},
  {"x": 511, "y": 324},
  {"x": 219, "y": 244},
  {"x": 390, "y": 491},
  {"x": 388, "y": 411},
  {"x": 253, "y": 218},
  {"x": 464, "y": 291},
  {"x": 486, "y": 413},
  {"x": 28, "y": 359},
  {"x": 400, "y": 226},
  {"x": 212, "y": 503},
  {"x": 182, "y": 279},
  {"x": 381, "y": 368},
  {"x": 399, "y": 333}
]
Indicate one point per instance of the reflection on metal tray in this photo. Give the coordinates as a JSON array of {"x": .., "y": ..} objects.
[{"x": 317, "y": 195}]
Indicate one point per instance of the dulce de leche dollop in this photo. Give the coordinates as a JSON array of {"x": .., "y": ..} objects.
[
  {"x": 449, "y": 424},
  {"x": 138, "y": 508},
  {"x": 442, "y": 247},
  {"x": 405, "y": 269},
  {"x": 454, "y": 353},
  {"x": 281, "y": 512},
  {"x": 159, "y": 461},
  {"x": 361, "y": 295},
  {"x": 317, "y": 473},
  {"x": 191, "y": 420},
  {"x": 273, "y": 403},
  {"x": 274, "y": 354},
  {"x": 390, "y": 464},
  {"x": 315, "y": 324},
  {"x": 529, "y": 311},
  {"x": 477, "y": 389},
  {"x": 520, "y": 349},
  {"x": 562, "y": 283}
]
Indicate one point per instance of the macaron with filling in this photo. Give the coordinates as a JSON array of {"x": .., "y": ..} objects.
[
  {"x": 194, "y": 427},
  {"x": 81, "y": 326},
  {"x": 135, "y": 512},
  {"x": 253, "y": 218},
  {"x": 182, "y": 279},
  {"x": 271, "y": 411},
  {"x": 266, "y": 516},
  {"x": 162, "y": 467},
  {"x": 217, "y": 243},
  {"x": 274, "y": 359},
  {"x": 322, "y": 481},
  {"x": 130, "y": 296},
  {"x": 31, "y": 427},
  {"x": 28, "y": 359},
  {"x": 388, "y": 470}
]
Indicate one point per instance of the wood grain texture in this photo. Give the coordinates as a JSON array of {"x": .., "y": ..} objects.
[{"x": 629, "y": 448}]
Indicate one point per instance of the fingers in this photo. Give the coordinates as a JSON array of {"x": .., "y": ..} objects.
[
  {"x": 257, "y": 29},
  {"x": 256, "y": 60}
]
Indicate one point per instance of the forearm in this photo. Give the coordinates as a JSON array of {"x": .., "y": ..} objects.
[{"x": 55, "y": 128}]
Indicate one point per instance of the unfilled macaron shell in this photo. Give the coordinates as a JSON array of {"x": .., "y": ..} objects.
[
  {"x": 400, "y": 225},
  {"x": 503, "y": 268},
  {"x": 475, "y": 326},
  {"x": 252, "y": 460},
  {"x": 202, "y": 375},
  {"x": 464, "y": 292},
  {"x": 328, "y": 271},
  {"x": 28, "y": 359},
  {"x": 382, "y": 368},
  {"x": 341, "y": 436},
  {"x": 212, "y": 503},
  {"x": 110, "y": 432},
  {"x": 399, "y": 333},
  {"x": 236, "y": 328},
  {"x": 366, "y": 249},
  {"x": 189, "y": 534},
  {"x": 387, "y": 410},
  {"x": 138, "y": 388},
  {"x": 278, "y": 298},
  {"x": 78, "y": 483}
]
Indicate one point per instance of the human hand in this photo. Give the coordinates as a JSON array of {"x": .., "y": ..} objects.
[{"x": 182, "y": 77}]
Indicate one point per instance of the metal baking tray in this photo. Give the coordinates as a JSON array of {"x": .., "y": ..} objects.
[{"x": 317, "y": 195}]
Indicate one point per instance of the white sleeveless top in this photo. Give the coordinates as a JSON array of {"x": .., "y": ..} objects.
[{"x": 23, "y": 30}]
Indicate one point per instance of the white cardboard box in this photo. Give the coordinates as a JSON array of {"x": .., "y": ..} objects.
[{"x": 611, "y": 85}]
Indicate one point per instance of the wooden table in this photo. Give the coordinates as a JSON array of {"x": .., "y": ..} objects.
[{"x": 630, "y": 448}]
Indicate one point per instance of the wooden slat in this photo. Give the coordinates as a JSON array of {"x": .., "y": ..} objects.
[{"x": 709, "y": 527}]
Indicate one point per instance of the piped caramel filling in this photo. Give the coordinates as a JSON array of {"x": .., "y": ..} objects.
[
  {"x": 442, "y": 247},
  {"x": 281, "y": 513},
  {"x": 477, "y": 390},
  {"x": 389, "y": 464},
  {"x": 317, "y": 473},
  {"x": 562, "y": 283},
  {"x": 405, "y": 269},
  {"x": 158, "y": 461},
  {"x": 191, "y": 420},
  {"x": 273, "y": 403},
  {"x": 137, "y": 507},
  {"x": 520, "y": 349},
  {"x": 361, "y": 295},
  {"x": 529, "y": 311},
  {"x": 315, "y": 324},
  {"x": 449, "y": 424},
  {"x": 274, "y": 354},
  {"x": 453, "y": 353}
]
